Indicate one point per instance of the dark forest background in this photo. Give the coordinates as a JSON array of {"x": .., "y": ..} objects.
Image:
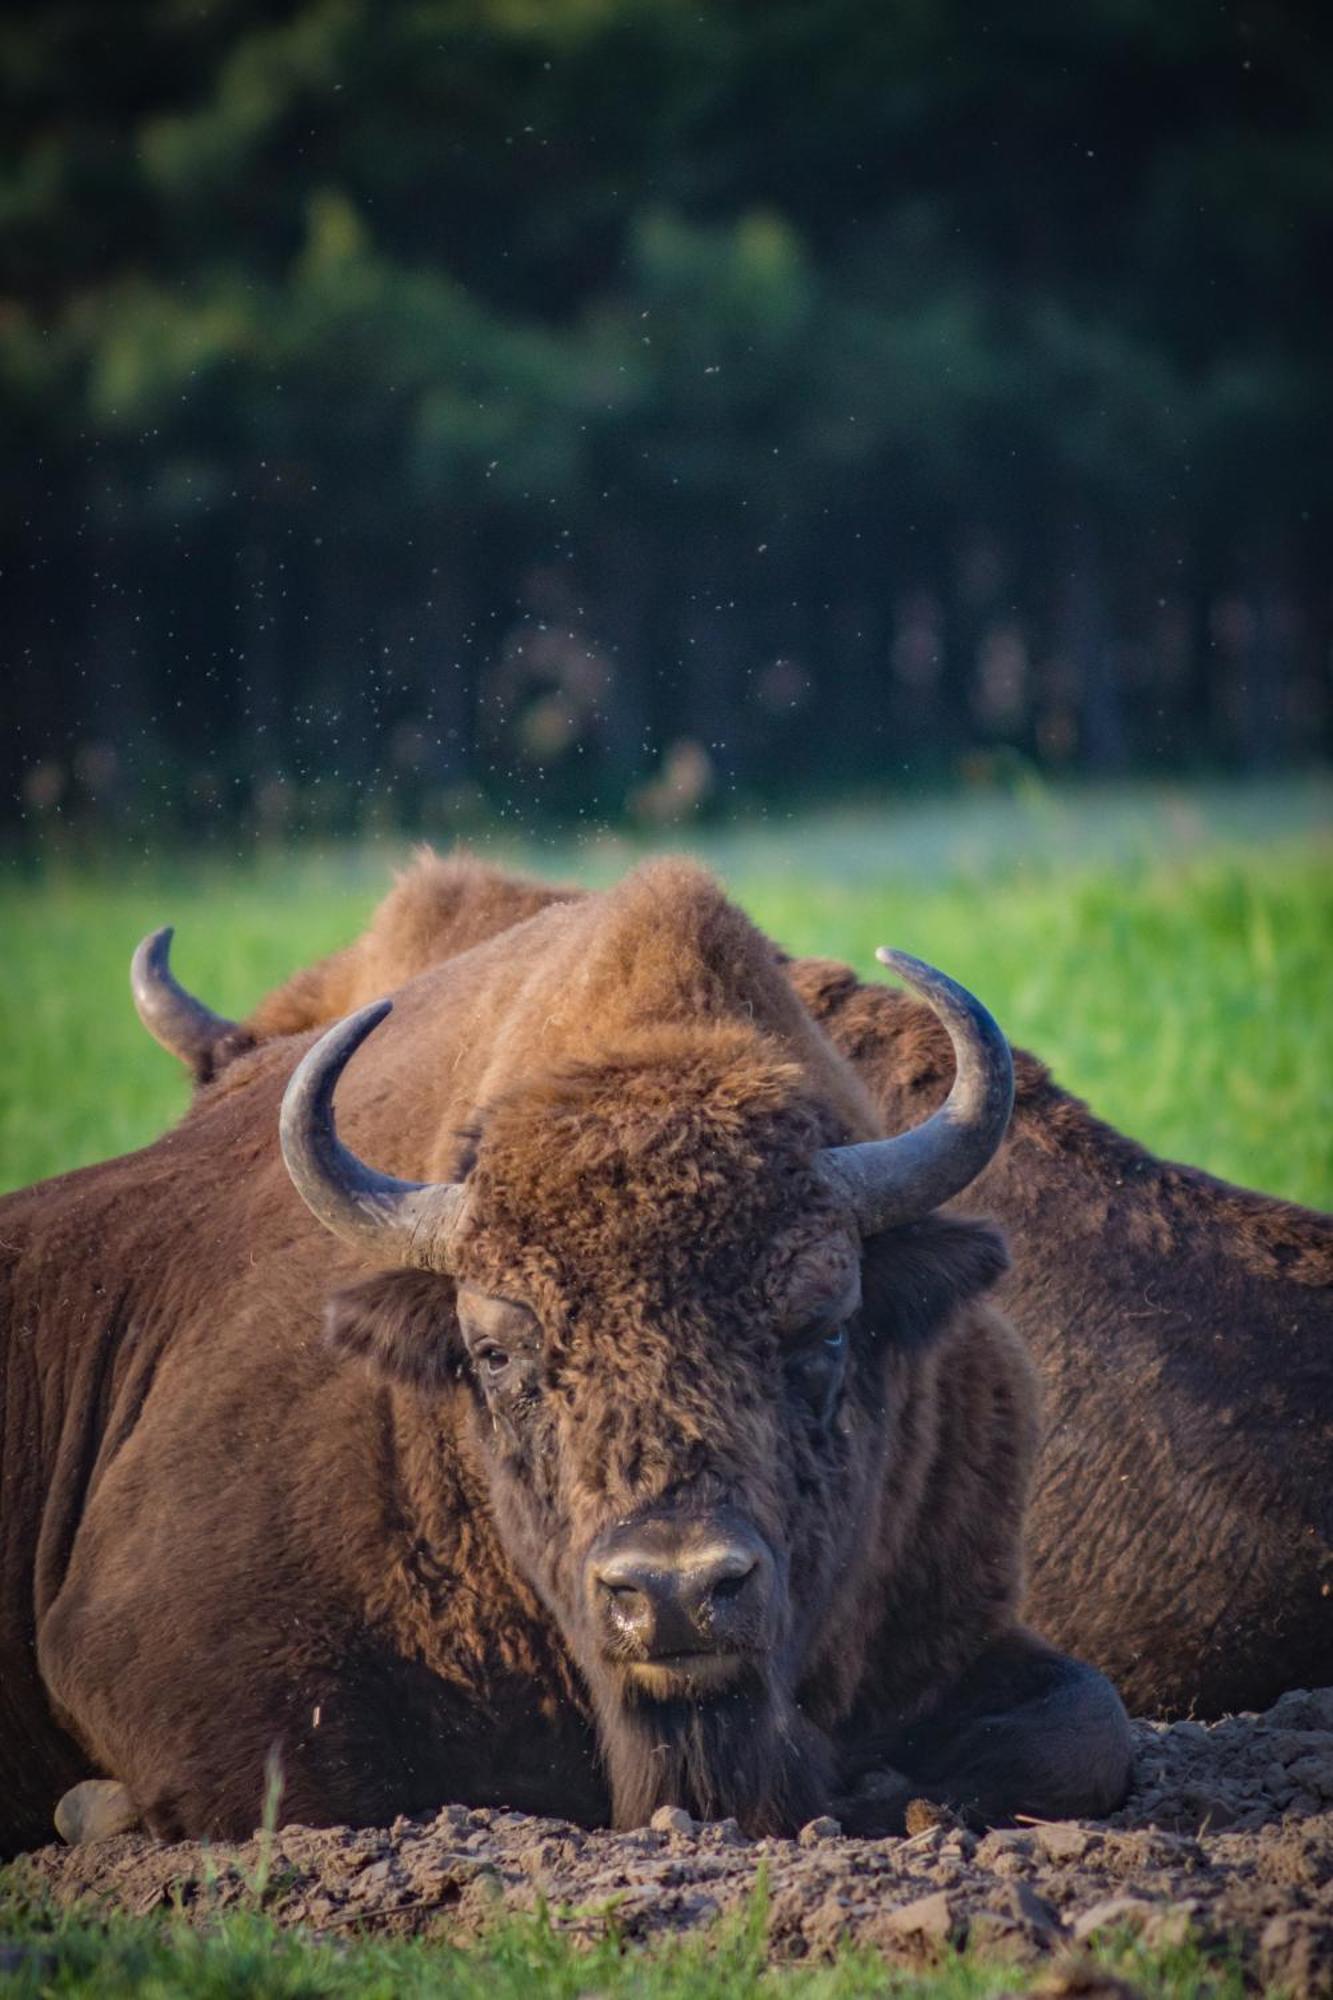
[{"x": 598, "y": 406}]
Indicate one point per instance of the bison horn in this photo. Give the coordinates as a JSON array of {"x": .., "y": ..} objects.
[
  {"x": 398, "y": 1222},
  {"x": 173, "y": 1017},
  {"x": 897, "y": 1180}
]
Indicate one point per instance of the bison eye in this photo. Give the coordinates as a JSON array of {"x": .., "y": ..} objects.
[
  {"x": 815, "y": 1371},
  {"x": 493, "y": 1361}
]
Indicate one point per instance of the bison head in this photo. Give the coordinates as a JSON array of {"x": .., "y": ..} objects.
[{"x": 680, "y": 1308}]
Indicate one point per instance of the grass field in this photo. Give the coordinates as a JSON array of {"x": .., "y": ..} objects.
[{"x": 1167, "y": 952}]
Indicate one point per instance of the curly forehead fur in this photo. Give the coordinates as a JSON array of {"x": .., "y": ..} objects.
[
  {"x": 664, "y": 955},
  {"x": 654, "y": 1133}
]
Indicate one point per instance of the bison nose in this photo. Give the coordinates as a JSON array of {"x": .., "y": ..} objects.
[{"x": 668, "y": 1591}]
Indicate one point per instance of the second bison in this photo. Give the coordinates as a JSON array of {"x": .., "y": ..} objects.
[{"x": 1181, "y": 1534}]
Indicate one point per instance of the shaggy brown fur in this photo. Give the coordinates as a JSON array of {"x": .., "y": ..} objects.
[
  {"x": 1181, "y": 1533},
  {"x": 439, "y": 907},
  {"x": 226, "y": 1535}
]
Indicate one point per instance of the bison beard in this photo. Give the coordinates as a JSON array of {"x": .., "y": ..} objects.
[{"x": 746, "y": 1754}]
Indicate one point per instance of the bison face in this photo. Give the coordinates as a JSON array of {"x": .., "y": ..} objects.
[
  {"x": 644, "y": 1455},
  {"x": 683, "y": 1412},
  {"x": 683, "y": 1415},
  {"x": 682, "y": 1490}
]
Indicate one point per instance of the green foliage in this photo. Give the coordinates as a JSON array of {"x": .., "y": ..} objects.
[
  {"x": 1165, "y": 952},
  {"x": 747, "y": 325},
  {"x": 243, "y": 1956}
]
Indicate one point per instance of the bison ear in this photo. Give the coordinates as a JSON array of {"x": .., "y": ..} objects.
[
  {"x": 405, "y": 1323},
  {"x": 914, "y": 1278}
]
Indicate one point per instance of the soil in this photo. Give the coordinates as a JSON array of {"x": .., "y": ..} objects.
[{"x": 1228, "y": 1835}]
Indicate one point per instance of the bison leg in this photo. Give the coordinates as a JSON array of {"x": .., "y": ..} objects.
[{"x": 1027, "y": 1731}]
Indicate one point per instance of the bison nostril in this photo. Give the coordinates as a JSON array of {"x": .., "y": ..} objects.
[{"x": 669, "y": 1588}]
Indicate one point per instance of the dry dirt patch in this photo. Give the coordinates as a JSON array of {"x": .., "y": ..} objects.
[{"x": 1229, "y": 1833}]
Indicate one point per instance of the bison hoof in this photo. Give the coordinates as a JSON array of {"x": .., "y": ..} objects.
[{"x": 95, "y": 1810}]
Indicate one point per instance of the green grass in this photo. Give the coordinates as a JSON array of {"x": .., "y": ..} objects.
[
  {"x": 1166, "y": 951},
  {"x": 241, "y": 1955}
]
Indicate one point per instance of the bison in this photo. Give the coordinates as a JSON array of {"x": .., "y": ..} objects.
[
  {"x": 1181, "y": 1533},
  {"x": 632, "y": 1432}
]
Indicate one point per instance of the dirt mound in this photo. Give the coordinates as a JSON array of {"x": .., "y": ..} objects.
[{"x": 1229, "y": 1834}]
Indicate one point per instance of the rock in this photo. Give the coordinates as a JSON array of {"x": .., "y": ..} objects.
[
  {"x": 98, "y": 1809},
  {"x": 1314, "y": 1773},
  {"x": 1302, "y": 1708},
  {"x": 1035, "y": 1915},
  {"x": 1003, "y": 1840},
  {"x": 825, "y": 1827},
  {"x": 932, "y": 1918},
  {"x": 673, "y": 1819},
  {"x": 994, "y": 1933},
  {"x": 1064, "y": 1840},
  {"x": 1128, "y": 1913},
  {"x": 1012, "y": 1864},
  {"x": 1291, "y": 1746}
]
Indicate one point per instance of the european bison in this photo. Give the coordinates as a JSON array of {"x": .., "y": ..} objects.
[
  {"x": 631, "y": 1433},
  {"x": 1181, "y": 1534}
]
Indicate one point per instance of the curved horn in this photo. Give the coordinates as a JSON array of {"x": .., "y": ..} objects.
[
  {"x": 897, "y": 1180},
  {"x": 396, "y": 1222},
  {"x": 173, "y": 1017}
]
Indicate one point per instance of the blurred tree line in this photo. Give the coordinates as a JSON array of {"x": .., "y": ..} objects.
[{"x": 589, "y": 404}]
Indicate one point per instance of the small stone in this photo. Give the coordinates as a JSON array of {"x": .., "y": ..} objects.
[
  {"x": 1012, "y": 1864},
  {"x": 1314, "y": 1773},
  {"x": 995, "y": 1933},
  {"x": 673, "y": 1819},
  {"x": 1128, "y": 1913},
  {"x": 1064, "y": 1840},
  {"x": 727, "y": 1832},
  {"x": 825, "y": 1827},
  {"x": 1003, "y": 1840},
  {"x": 933, "y": 1918},
  {"x": 1034, "y": 1913},
  {"x": 1188, "y": 1732},
  {"x": 98, "y": 1809}
]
